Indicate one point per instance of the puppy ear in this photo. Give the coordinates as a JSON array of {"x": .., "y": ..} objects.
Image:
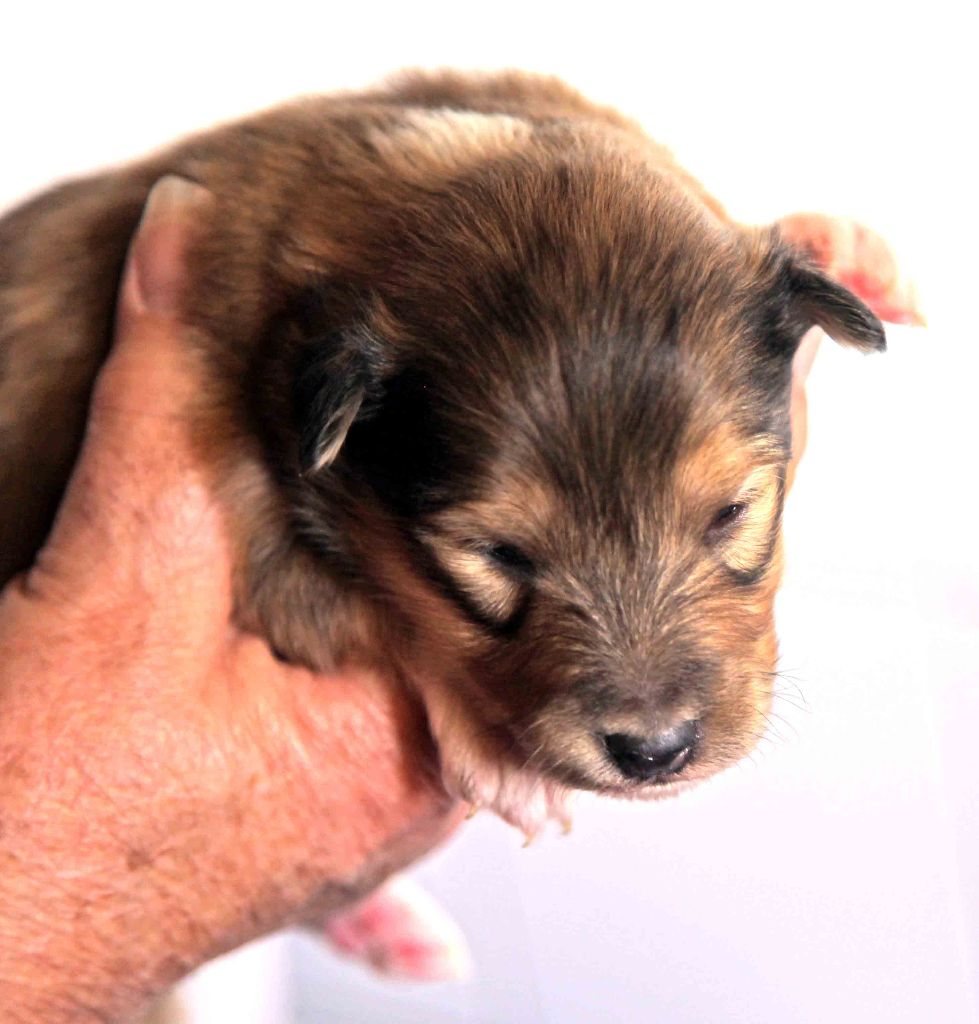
[
  {"x": 816, "y": 299},
  {"x": 337, "y": 381}
]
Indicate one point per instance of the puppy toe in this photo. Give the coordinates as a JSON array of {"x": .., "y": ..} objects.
[{"x": 401, "y": 931}]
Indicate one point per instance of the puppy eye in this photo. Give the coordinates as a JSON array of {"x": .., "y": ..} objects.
[
  {"x": 727, "y": 516},
  {"x": 509, "y": 557}
]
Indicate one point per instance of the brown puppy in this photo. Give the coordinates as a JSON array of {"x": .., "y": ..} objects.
[{"x": 500, "y": 403}]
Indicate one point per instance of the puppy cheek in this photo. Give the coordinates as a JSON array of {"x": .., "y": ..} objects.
[
  {"x": 477, "y": 762},
  {"x": 748, "y": 652}
]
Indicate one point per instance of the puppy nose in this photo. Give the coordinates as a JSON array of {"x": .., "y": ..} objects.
[{"x": 644, "y": 757}]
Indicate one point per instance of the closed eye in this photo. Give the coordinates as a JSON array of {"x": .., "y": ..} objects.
[
  {"x": 489, "y": 582},
  {"x": 743, "y": 533},
  {"x": 509, "y": 558},
  {"x": 726, "y": 517}
]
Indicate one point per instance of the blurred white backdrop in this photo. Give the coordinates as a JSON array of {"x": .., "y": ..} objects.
[{"x": 834, "y": 877}]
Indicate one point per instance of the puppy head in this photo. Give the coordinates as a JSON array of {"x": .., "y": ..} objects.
[{"x": 560, "y": 421}]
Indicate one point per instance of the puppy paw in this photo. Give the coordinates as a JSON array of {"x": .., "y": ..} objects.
[
  {"x": 859, "y": 259},
  {"x": 401, "y": 931}
]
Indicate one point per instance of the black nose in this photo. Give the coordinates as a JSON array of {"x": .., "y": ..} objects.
[{"x": 645, "y": 757}]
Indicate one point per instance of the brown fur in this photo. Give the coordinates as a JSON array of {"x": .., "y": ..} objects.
[{"x": 548, "y": 359}]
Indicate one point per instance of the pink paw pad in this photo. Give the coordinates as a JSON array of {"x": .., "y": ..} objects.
[
  {"x": 859, "y": 259},
  {"x": 400, "y": 930}
]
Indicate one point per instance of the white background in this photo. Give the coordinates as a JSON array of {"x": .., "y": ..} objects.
[{"x": 834, "y": 877}]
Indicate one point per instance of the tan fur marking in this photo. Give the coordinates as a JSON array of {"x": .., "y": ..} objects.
[
  {"x": 490, "y": 589},
  {"x": 749, "y": 541},
  {"x": 716, "y": 466},
  {"x": 446, "y": 142}
]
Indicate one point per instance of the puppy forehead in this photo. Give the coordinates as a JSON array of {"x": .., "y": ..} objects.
[
  {"x": 510, "y": 501},
  {"x": 662, "y": 421},
  {"x": 574, "y": 325},
  {"x": 602, "y": 435},
  {"x": 719, "y": 461},
  {"x": 552, "y": 501}
]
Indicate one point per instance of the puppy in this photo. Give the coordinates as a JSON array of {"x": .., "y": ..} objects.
[{"x": 500, "y": 404}]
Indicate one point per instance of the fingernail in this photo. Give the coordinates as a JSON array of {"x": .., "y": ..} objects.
[{"x": 155, "y": 271}]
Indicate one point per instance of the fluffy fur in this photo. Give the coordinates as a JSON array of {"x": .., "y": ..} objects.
[{"x": 499, "y": 402}]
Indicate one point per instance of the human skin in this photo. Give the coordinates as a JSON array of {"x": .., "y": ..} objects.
[{"x": 168, "y": 788}]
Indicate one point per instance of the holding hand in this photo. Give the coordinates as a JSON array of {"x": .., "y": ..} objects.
[{"x": 168, "y": 789}]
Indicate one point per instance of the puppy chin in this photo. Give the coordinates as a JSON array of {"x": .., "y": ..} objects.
[{"x": 479, "y": 769}]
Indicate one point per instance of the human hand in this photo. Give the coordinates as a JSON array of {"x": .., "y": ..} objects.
[{"x": 168, "y": 788}]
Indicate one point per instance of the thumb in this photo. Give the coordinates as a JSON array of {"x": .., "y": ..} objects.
[{"x": 138, "y": 519}]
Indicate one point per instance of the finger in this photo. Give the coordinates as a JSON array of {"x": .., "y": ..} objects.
[
  {"x": 138, "y": 520},
  {"x": 155, "y": 355},
  {"x": 805, "y": 355},
  {"x": 798, "y": 408}
]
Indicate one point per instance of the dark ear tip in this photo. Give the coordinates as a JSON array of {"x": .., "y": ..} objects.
[
  {"x": 879, "y": 343},
  {"x": 866, "y": 332},
  {"x": 840, "y": 313},
  {"x": 863, "y": 331}
]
